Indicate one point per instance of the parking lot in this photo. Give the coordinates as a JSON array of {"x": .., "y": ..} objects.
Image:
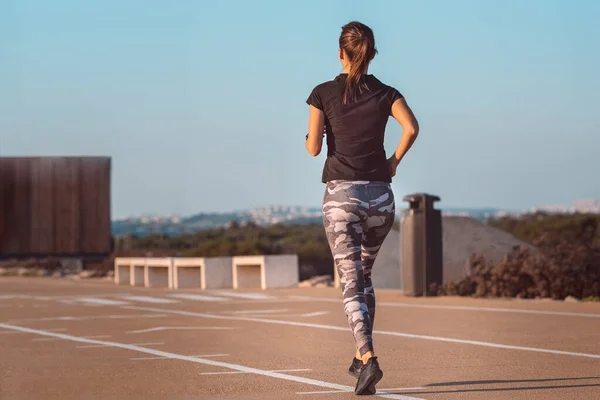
[{"x": 64, "y": 339}]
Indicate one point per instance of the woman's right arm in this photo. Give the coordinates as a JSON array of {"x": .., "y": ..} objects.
[{"x": 410, "y": 126}]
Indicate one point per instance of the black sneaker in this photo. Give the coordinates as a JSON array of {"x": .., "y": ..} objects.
[
  {"x": 355, "y": 367},
  {"x": 370, "y": 375}
]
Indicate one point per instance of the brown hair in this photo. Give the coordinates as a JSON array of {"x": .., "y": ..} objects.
[{"x": 358, "y": 42}]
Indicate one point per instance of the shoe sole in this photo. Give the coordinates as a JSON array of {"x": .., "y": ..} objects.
[{"x": 368, "y": 388}]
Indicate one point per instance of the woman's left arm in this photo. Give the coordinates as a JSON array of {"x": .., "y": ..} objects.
[{"x": 316, "y": 130}]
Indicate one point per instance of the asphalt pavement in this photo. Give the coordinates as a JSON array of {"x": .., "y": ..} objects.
[{"x": 83, "y": 340}]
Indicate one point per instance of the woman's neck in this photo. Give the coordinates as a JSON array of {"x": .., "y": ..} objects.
[{"x": 347, "y": 70}]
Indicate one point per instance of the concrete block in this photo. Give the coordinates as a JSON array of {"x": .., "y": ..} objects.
[
  {"x": 265, "y": 271},
  {"x": 202, "y": 272},
  {"x": 122, "y": 271},
  {"x": 137, "y": 271},
  {"x": 158, "y": 272}
]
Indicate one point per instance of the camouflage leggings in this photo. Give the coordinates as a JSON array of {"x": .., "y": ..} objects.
[{"x": 357, "y": 216}]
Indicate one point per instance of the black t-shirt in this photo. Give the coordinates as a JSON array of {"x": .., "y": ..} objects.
[{"x": 355, "y": 130}]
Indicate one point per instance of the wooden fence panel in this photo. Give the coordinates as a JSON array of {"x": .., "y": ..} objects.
[{"x": 55, "y": 206}]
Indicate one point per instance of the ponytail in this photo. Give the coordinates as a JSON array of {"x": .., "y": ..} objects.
[{"x": 358, "y": 42}]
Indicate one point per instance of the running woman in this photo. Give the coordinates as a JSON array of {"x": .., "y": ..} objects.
[{"x": 352, "y": 110}]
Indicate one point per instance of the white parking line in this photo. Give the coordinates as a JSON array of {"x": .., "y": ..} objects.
[
  {"x": 53, "y": 339},
  {"x": 242, "y": 372},
  {"x": 99, "y": 302},
  {"x": 14, "y": 296},
  {"x": 236, "y": 367},
  {"x": 105, "y": 345},
  {"x": 389, "y": 333},
  {"x": 45, "y": 298},
  {"x": 242, "y": 295},
  {"x": 170, "y": 358},
  {"x": 322, "y": 392},
  {"x": 256, "y": 311},
  {"x": 85, "y": 318},
  {"x": 181, "y": 328},
  {"x": 49, "y": 330},
  {"x": 197, "y": 297},
  {"x": 379, "y": 391},
  {"x": 315, "y": 314},
  {"x": 148, "y": 299},
  {"x": 457, "y": 308}
]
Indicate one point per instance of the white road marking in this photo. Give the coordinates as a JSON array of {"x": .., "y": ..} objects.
[
  {"x": 457, "y": 308},
  {"x": 315, "y": 314},
  {"x": 169, "y": 358},
  {"x": 49, "y": 330},
  {"x": 278, "y": 375},
  {"x": 148, "y": 299},
  {"x": 53, "y": 339},
  {"x": 379, "y": 391},
  {"x": 322, "y": 392},
  {"x": 14, "y": 296},
  {"x": 181, "y": 328},
  {"x": 403, "y": 389},
  {"x": 107, "y": 345},
  {"x": 99, "y": 302},
  {"x": 85, "y": 318},
  {"x": 45, "y": 298},
  {"x": 388, "y": 333},
  {"x": 242, "y": 295},
  {"x": 256, "y": 311},
  {"x": 242, "y": 372},
  {"x": 198, "y": 297}
]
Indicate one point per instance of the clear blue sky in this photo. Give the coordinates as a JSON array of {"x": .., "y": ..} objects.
[{"x": 202, "y": 104}]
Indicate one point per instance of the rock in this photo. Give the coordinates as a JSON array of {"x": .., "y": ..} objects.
[
  {"x": 571, "y": 299},
  {"x": 87, "y": 274},
  {"x": 71, "y": 266},
  {"x": 43, "y": 272},
  {"x": 317, "y": 281}
]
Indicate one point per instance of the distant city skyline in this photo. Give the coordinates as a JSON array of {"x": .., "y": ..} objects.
[
  {"x": 583, "y": 206},
  {"x": 201, "y": 105}
]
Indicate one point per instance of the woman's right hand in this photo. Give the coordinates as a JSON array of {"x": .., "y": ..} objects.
[{"x": 393, "y": 165}]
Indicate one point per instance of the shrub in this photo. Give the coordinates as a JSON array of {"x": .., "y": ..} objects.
[{"x": 559, "y": 267}]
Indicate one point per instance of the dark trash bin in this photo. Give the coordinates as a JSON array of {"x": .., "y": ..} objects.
[{"x": 421, "y": 245}]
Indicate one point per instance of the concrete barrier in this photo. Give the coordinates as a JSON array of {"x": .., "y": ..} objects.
[
  {"x": 271, "y": 271},
  {"x": 158, "y": 272},
  {"x": 202, "y": 272},
  {"x": 147, "y": 272},
  {"x": 137, "y": 272},
  {"x": 122, "y": 271}
]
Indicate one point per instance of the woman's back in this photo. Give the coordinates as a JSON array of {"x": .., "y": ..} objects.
[{"x": 355, "y": 130}]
